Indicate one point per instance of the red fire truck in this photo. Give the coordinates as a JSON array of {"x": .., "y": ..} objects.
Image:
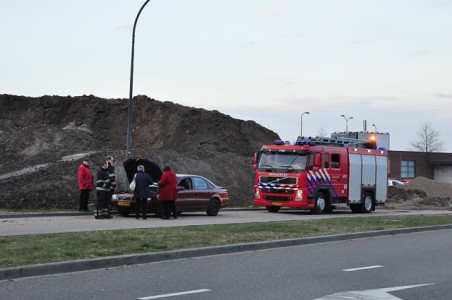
[{"x": 321, "y": 174}]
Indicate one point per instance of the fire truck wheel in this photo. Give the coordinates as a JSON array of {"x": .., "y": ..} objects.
[
  {"x": 272, "y": 209},
  {"x": 368, "y": 203},
  {"x": 320, "y": 204},
  {"x": 213, "y": 208}
]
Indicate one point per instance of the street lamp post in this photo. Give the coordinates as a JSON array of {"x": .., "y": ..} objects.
[
  {"x": 375, "y": 128},
  {"x": 346, "y": 124},
  {"x": 301, "y": 127},
  {"x": 129, "y": 108}
]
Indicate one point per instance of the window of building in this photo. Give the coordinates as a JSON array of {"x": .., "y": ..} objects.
[{"x": 407, "y": 169}]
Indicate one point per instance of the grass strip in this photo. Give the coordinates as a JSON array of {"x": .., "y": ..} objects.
[{"x": 45, "y": 248}]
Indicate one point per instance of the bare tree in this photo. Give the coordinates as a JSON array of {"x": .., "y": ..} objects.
[
  {"x": 428, "y": 139},
  {"x": 322, "y": 132}
]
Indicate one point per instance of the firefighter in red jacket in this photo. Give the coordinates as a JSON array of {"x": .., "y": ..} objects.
[
  {"x": 85, "y": 184},
  {"x": 168, "y": 192}
]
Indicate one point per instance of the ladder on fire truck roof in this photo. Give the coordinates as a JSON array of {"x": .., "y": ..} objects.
[{"x": 336, "y": 142}]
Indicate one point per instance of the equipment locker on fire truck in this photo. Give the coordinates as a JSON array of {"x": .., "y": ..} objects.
[{"x": 321, "y": 174}]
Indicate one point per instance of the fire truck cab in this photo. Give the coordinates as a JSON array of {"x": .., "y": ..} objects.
[{"x": 320, "y": 175}]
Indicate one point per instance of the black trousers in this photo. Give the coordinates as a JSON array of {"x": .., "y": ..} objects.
[
  {"x": 84, "y": 199},
  {"x": 140, "y": 206},
  {"x": 107, "y": 204},
  {"x": 168, "y": 207},
  {"x": 102, "y": 198}
]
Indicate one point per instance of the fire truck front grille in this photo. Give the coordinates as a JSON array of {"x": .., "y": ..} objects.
[
  {"x": 277, "y": 194},
  {"x": 276, "y": 198},
  {"x": 278, "y": 180},
  {"x": 278, "y": 191}
]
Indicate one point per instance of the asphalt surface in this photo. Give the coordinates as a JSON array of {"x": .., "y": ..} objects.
[{"x": 27, "y": 223}]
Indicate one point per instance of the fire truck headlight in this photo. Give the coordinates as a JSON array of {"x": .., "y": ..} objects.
[
  {"x": 257, "y": 193},
  {"x": 299, "y": 195}
]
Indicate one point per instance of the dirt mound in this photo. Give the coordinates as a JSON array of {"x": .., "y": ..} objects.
[
  {"x": 45, "y": 139},
  {"x": 421, "y": 193}
]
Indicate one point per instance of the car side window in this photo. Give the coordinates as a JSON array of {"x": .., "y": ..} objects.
[
  {"x": 186, "y": 183},
  {"x": 200, "y": 184}
]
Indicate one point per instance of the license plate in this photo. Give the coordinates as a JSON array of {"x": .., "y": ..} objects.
[
  {"x": 277, "y": 204},
  {"x": 123, "y": 203}
]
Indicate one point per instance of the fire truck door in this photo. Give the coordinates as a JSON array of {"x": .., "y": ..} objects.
[{"x": 333, "y": 164}]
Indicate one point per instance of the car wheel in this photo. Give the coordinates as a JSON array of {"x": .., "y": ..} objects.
[
  {"x": 213, "y": 208},
  {"x": 272, "y": 209}
]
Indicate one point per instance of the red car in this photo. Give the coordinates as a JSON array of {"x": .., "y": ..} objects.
[{"x": 195, "y": 193}]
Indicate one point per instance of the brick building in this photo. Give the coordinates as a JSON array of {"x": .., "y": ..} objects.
[{"x": 409, "y": 165}]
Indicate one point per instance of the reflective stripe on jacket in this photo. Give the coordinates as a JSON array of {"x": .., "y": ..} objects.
[
  {"x": 111, "y": 174},
  {"x": 102, "y": 180}
]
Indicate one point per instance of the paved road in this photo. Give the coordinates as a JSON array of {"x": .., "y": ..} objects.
[
  {"x": 407, "y": 266},
  {"x": 54, "y": 224}
]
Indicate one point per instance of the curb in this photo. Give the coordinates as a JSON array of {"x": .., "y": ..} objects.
[
  {"x": 133, "y": 259},
  {"x": 91, "y": 213}
]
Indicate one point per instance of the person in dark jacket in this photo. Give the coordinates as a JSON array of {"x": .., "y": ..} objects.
[
  {"x": 85, "y": 184},
  {"x": 111, "y": 173},
  {"x": 142, "y": 191},
  {"x": 168, "y": 193},
  {"x": 103, "y": 191}
]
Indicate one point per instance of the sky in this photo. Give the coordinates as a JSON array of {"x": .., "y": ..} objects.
[{"x": 384, "y": 62}]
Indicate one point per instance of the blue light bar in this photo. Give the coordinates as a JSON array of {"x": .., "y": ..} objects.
[{"x": 278, "y": 142}]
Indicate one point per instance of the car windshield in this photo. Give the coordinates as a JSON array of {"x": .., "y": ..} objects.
[{"x": 282, "y": 162}]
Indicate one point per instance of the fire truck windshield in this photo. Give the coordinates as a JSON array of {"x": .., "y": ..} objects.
[{"x": 282, "y": 162}]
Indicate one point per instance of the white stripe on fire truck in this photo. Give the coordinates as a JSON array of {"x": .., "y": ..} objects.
[
  {"x": 313, "y": 176},
  {"x": 312, "y": 181},
  {"x": 326, "y": 174},
  {"x": 279, "y": 186},
  {"x": 321, "y": 179},
  {"x": 323, "y": 174},
  {"x": 328, "y": 179}
]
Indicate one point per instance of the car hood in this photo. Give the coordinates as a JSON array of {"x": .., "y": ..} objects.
[{"x": 150, "y": 167}]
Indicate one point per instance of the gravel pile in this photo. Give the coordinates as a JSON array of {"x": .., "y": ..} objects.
[
  {"x": 421, "y": 193},
  {"x": 45, "y": 139}
]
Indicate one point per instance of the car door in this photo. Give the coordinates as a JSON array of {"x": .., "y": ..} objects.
[
  {"x": 203, "y": 191},
  {"x": 185, "y": 194}
]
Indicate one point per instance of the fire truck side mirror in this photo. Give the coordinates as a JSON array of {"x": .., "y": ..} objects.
[{"x": 255, "y": 161}]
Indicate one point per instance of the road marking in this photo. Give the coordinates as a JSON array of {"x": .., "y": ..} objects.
[
  {"x": 363, "y": 268},
  {"x": 377, "y": 294},
  {"x": 174, "y": 294}
]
